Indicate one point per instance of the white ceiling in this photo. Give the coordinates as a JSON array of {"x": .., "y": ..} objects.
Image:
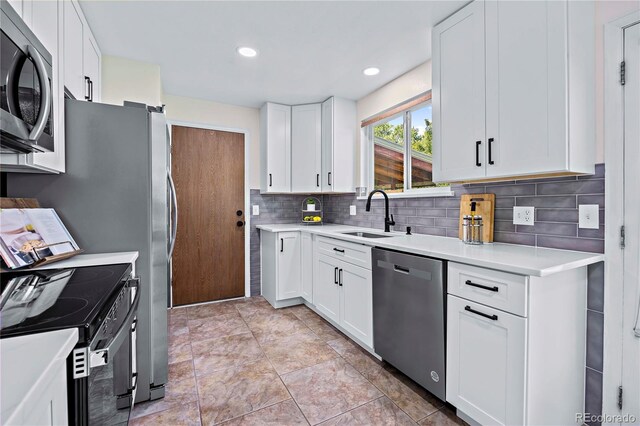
[{"x": 307, "y": 50}]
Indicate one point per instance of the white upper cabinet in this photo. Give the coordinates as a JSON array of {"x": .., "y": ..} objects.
[
  {"x": 91, "y": 65},
  {"x": 275, "y": 147},
  {"x": 73, "y": 50},
  {"x": 339, "y": 129},
  {"x": 513, "y": 90},
  {"x": 458, "y": 95},
  {"x": 306, "y": 148}
]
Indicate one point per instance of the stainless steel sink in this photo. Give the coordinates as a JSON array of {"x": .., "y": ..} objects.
[{"x": 366, "y": 234}]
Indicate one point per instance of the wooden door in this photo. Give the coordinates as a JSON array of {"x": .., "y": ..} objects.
[
  {"x": 208, "y": 170},
  {"x": 486, "y": 362},
  {"x": 459, "y": 95},
  {"x": 526, "y": 87}
]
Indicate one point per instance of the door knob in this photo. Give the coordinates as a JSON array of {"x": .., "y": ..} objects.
[
  {"x": 240, "y": 223},
  {"x": 239, "y": 213}
]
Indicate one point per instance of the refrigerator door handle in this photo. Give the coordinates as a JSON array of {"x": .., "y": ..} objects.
[{"x": 174, "y": 214}]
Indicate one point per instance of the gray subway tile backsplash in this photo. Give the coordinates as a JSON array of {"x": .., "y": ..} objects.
[{"x": 595, "y": 342}]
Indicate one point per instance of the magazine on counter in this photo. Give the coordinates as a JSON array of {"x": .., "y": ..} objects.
[{"x": 30, "y": 235}]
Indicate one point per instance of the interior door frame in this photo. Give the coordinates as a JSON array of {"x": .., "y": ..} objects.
[
  {"x": 614, "y": 202},
  {"x": 247, "y": 192}
]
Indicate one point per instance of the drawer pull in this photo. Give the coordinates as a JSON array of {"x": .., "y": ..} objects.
[
  {"x": 484, "y": 287},
  {"x": 338, "y": 250},
  {"x": 482, "y": 314}
]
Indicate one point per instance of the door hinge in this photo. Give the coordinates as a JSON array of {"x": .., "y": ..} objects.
[
  {"x": 620, "y": 397},
  {"x": 622, "y": 237},
  {"x": 622, "y": 73}
]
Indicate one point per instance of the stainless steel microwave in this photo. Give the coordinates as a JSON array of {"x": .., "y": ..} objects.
[{"x": 26, "y": 113}]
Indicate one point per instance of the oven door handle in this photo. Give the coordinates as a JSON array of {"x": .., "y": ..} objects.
[
  {"x": 45, "y": 97},
  {"x": 101, "y": 356}
]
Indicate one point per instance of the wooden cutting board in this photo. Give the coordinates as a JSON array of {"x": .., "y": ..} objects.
[{"x": 485, "y": 204}]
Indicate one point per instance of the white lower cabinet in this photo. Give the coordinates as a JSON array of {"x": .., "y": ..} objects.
[
  {"x": 343, "y": 293},
  {"x": 516, "y": 345},
  {"x": 486, "y": 359},
  {"x": 280, "y": 272},
  {"x": 326, "y": 292},
  {"x": 306, "y": 265}
]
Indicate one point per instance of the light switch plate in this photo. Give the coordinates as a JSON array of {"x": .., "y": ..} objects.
[
  {"x": 589, "y": 216},
  {"x": 256, "y": 209},
  {"x": 523, "y": 216},
  {"x": 352, "y": 210}
]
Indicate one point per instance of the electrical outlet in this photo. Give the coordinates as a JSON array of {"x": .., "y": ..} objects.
[
  {"x": 589, "y": 216},
  {"x": 256, "y": 209},
  {"x": 523, "y": 215},
  {"x": 352, "y": 210}
]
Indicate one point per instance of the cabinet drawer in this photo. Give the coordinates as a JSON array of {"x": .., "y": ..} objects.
[
  {"x": 356, "y": 254},
  {"x": 500, "y": 290}
]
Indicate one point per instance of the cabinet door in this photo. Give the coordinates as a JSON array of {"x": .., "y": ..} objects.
[
  {"x": 288, "y": 265},
  {"x": 45, "y": 17},
  {"x": 326, "y": 291},
  {"x": 357, "y": 302},
  {"x": 485, "y": 362},
  {"x": 306, "y": 148},
  {"x": 526, "y": 87},
  {"x": 92, "y": 66},
  {"x": 73, "y": 50},
  {"x": 306, "y": 265},
  {"x": 459, "y": 96},
  {"x": 326, "y": 179},
  {"x": 278, "y": 148}
]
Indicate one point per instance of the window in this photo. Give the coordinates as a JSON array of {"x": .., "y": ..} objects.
[{"x": 402, "y": 149}]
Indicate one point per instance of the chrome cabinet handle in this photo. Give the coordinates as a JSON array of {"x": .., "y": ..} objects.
[
  {"x": 45, "y": 98},
  {"x": 174, "y": 214}
]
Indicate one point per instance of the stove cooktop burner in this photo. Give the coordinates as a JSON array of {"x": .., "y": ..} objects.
[{"x": 38, "y": 301}]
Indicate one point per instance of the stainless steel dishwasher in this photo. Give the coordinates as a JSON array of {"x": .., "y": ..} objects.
[{"x": 409, "y": 316}]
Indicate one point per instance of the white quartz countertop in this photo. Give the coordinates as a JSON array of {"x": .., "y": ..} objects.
[
  {"x": 27, "y": 364},
  {"x": 524, "y": 260},
  {"x": 92, "y": 260}
]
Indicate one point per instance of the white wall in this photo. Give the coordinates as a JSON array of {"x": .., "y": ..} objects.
[
  {"x": 129, "y": 80},
  {"x": 226, "y": 116}
]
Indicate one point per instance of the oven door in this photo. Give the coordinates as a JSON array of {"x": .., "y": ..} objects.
[
  {"x": 26, "y": 113},
  {"x": 111, "y": 385}
]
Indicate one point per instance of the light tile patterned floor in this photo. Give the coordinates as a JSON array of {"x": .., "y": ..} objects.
[{"x": 242, "y": 362}]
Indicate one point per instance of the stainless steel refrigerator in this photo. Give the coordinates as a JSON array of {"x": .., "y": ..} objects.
[{"x": 117, "y": 195}]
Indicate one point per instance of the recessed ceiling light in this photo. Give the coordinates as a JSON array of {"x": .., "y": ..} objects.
[
  {"x": 247, "y": 51},
  {"x": 371, "y": 71}
]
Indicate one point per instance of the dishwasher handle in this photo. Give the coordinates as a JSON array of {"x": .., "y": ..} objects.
[{"x": 401, "y": 269}]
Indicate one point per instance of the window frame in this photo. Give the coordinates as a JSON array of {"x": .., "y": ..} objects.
[{"x": 369, "y": 151}]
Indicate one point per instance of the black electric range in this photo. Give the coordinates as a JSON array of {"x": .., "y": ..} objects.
[
  {"x": 39, "y": 301},
  {"x": 101, "y": 302}
]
